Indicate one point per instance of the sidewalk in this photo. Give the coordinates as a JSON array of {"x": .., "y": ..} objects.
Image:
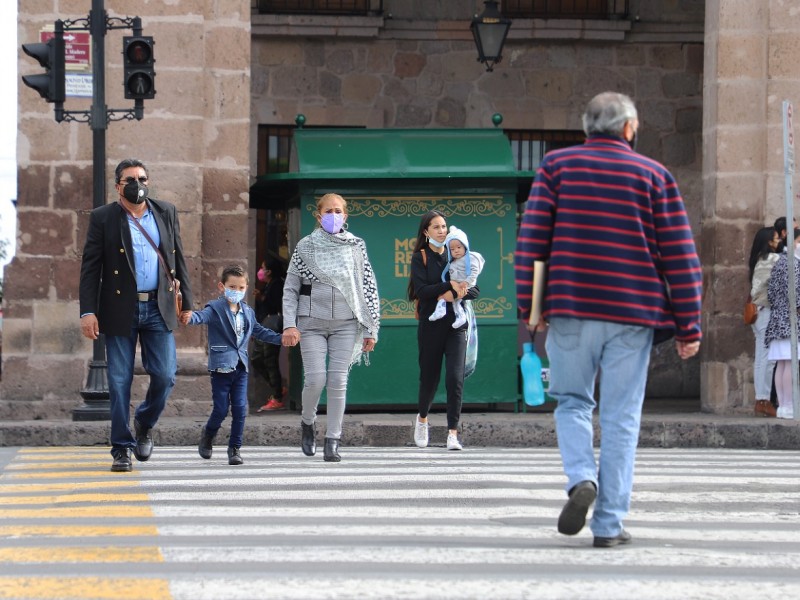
[{"x": 662, "y": 427}]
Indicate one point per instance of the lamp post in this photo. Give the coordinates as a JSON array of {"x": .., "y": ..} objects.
[{"x": 490, "y": 29}]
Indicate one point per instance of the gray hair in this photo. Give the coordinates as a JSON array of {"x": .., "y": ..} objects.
[{"x": 607, "y": 113}]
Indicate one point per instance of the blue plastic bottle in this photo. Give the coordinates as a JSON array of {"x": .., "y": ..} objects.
[{"x": 531, "y": 367}]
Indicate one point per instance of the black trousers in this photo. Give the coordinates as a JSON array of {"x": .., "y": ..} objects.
[
  {"x": 438, "y": 340},
  {"x": 266, "y": 361}
]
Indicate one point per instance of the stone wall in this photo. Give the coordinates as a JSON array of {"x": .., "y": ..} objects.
[
  {"x": 411, "y": 71},
  {"x": 414, "y": 67},
  {"x": 194, "y": 139},
  {"x": 751, "y": 58}
]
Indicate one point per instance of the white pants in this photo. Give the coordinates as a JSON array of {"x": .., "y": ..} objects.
[{"x": 762, "y": 367}]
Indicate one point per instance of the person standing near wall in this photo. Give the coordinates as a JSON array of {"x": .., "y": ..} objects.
[
  {"x": 763, "y": 256},
  {"x": 126, "y": 294},
  {"x": 623, "y": 272},
  {"x": 269, "y": 307}
]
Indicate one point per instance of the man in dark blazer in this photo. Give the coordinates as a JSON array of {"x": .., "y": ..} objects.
[{"x": 126, "y": 295}]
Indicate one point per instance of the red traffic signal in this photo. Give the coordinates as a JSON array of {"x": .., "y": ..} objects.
[
  {"x": 138, "y": 61},
  {"x": 50, "y": 85}
]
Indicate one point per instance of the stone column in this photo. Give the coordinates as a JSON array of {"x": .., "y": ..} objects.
[
  {"x": 751, "y": 65},
  {"x": 194, "y": 139}
]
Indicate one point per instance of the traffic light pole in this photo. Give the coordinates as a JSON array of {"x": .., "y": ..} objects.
[
  {"x": 139, "y": 85},
  {"x": 96, "y": 402}
]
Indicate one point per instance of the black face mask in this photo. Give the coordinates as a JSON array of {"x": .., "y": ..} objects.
[
  {"x": 135, "y": 192},
  {"x": 633, "y": 140}
]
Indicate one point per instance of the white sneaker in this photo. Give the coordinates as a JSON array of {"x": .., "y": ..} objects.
[
  {"x": 785, "y": 412},
  {"x": 420, "y": 433},
  {"x": 452, "y": 442},
  {"x": 459, "y": 321}
]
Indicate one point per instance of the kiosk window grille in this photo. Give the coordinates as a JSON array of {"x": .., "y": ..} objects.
[{"x": 528, "y": 146}]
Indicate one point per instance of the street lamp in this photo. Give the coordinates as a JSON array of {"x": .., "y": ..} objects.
[{"x": 490, "y": 29}]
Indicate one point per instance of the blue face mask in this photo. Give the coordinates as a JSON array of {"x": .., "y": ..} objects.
[
  {"x": 434, "y": 243},
  {"x": 234, "y": 296},
  {"x": 332, "y": 222}
]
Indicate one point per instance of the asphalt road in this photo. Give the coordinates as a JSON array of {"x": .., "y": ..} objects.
[{"x": 389, "y": 523}]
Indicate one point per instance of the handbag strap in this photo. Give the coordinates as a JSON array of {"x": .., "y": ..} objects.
[{"x": 152, "y": 243}]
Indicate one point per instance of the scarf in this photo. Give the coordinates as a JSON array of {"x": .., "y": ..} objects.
[{"x": 340, "y": 260}]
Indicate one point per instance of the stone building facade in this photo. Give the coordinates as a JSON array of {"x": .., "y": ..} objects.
[{"x": 707, "y": 78}]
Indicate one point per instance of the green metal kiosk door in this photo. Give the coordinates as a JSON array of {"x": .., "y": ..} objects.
[{"x": 388, "y": 225}]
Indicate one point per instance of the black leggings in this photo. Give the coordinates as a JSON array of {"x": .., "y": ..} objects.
[{"x": 437, "y": 340}]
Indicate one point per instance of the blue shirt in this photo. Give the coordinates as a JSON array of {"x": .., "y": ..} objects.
[{"x": 144, "y": 255}]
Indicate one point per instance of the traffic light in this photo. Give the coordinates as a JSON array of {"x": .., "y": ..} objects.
[
  {"x": 50, "y": 85},
  {"x": 140, "y": 78}
]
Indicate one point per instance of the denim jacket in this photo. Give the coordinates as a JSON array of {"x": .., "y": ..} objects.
[{"x": 223, "y": 352}]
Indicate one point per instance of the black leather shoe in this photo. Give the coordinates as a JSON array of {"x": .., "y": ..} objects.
[
  {"x": 309, "y": 443},
  {"x": 573, "y": 515},
  {"x": 331, "y": 450},
  {"x": 122, "y": 460},
  {"x": 144, "y": 442},
  {"x": 609, "y": 542},
  {"x": 205, "y": 446},
  {"x": 234, "y": 458}
]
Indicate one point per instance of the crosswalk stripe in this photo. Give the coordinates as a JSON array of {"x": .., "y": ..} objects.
[
  {"x": 73, "y": 512},
  {"x": 76, "y": 531},
  {"x": 86, "y": 554},
  {"x": 83, "y": 588},
  {"x": 72, "y": 498},
  {"x": 392, "y": 523}
]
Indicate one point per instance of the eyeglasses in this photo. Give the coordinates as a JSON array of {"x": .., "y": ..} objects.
[{"x": 132, "y": 179}]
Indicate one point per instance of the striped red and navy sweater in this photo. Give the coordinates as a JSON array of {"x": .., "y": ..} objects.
[{"x": 614, "y": 229}]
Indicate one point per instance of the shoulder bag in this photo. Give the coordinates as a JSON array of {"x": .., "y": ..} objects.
[{"x": 176, "y": 285}]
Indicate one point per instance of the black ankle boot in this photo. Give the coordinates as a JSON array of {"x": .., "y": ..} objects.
[
  {"x": 331, "y": 452},
  {"x": 309, "y": 443},
  {"x": 206, "y": 440}
]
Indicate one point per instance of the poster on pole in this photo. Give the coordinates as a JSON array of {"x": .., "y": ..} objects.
[
  {"x": 77, "y": 61},
  {"x": 788, "y": 172}
]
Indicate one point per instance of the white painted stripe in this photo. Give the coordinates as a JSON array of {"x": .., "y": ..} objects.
[
  {"x": 539, "y": 584},
  {"x": 554, "y": 551},
  {"x": 415, "y": 528}
]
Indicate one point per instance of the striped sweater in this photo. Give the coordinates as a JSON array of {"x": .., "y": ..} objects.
[{"x": 614, "y": 229}]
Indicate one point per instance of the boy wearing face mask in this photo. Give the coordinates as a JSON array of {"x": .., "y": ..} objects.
[{"x": 230, "y": 323}]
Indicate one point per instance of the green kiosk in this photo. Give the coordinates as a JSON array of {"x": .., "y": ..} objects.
[{"x": 390, "y": 178}]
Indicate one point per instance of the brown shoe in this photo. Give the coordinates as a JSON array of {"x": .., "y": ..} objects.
[{"x": 764, "y": 408}]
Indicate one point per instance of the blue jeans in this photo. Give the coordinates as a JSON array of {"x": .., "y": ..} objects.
[
  {"x": 229, "y": 389},
  {"x": 578, "y": 350},
  {"x": 159, "y": 362}
]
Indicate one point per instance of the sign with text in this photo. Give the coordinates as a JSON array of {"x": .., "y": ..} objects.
[
  {"x": 79, "y": 85},
  {"x": 77, "y": 48}
]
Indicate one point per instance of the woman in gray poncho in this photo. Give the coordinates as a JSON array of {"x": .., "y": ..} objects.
[{"x": 331, "y": 307}]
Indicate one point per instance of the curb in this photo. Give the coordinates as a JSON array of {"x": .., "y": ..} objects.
[{"x": 518, "y": 430}]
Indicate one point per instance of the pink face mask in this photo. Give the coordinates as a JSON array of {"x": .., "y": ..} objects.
[{"x": 262, "y": 274}]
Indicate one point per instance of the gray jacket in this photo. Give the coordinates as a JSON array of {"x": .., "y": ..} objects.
[{"x": 306, "y": 298}]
